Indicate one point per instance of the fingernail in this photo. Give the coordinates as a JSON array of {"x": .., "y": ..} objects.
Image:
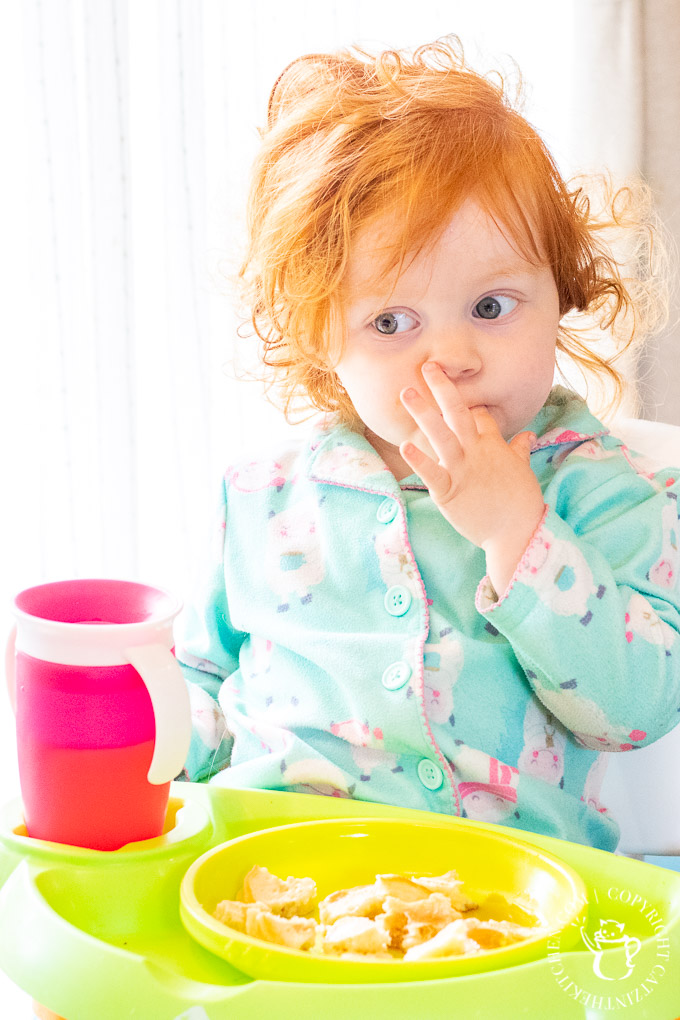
[
  {"x": 410, "y": 393},
  {"x": 430, "y": 366}
]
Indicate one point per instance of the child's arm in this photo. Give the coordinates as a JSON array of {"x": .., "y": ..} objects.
[
  {"x": 207, "y": 648},
  {"x": 592, "y": 607},
  {"x": 592, "y": 612}
]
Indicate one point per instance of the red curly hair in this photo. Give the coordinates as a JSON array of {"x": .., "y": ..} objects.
[{"x": 351, "y": 138}]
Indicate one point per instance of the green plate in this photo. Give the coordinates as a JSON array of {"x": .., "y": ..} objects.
[{"x": 339, "y": 854}]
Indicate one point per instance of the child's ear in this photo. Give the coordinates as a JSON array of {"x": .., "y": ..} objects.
[{"x": 303, "y": 77}]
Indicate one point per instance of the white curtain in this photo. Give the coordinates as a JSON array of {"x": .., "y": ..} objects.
[
  {"x": 131, "y": 126},
  {"x": 659, "y": 381}
]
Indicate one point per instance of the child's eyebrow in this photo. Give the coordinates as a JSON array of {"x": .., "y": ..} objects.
[
  {"x": 370, "y": 293},
  {"x": 508, "y": 269}
]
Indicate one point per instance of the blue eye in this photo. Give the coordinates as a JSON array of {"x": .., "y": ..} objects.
[
  {"x": 494, "y": 306},
  {"x": 389, "y": 323}
]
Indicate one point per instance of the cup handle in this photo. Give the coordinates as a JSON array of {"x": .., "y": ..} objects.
[
  {"x": 164, "y": 681},
  {"x": 10, "y": 670}
]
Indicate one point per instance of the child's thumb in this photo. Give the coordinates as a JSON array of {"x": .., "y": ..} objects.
[{"x": 522, "y": 444}]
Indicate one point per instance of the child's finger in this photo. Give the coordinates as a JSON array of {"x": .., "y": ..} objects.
[
  {"x": 485, "y": 422},
  {"x": 431, "y": 423},
  {"x": 522, "y": 444},
  {"x": 436, "y": 478},
  {"x": 456, "y": 413}
]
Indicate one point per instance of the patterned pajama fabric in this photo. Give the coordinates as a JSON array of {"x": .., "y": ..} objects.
[{"x": 347, "y": 641}]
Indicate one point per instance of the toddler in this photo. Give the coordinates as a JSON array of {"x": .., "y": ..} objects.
[{"x": 458, "y": 592}]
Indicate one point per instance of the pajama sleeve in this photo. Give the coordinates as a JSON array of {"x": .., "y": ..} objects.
[
  {"x": 592, "y": 612},
  {"x": 207, "y": 648}
]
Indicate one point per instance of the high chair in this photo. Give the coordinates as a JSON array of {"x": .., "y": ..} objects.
[{"x": 641, "y": 788}]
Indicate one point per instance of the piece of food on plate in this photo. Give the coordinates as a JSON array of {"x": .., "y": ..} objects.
[
  {"x": 453, "y": 940},
  {"x": 449, "y": 885},
  {"x": 359, "y": 901},
  {"x": 233, "y": 913},
  {"x": 289, "y": 898},
  {"x": 293, "y": 932},
  {"x": 469, "y": 935},
  {"x": 495, "y": 934},
  {"x": 522, "y": 909},
  {"x": 400, "y": 887},
  {"x": 409, "y": 924},
  {"x": 355, "y": 935}
]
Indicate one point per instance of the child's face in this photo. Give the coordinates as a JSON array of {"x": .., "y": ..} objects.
[{"x": 471, "y": 303}]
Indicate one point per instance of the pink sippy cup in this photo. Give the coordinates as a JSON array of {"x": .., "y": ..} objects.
[{"x": 102, "y": 710}]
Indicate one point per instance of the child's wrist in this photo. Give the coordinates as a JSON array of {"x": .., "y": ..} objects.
[{"x": 505, "y": 550}]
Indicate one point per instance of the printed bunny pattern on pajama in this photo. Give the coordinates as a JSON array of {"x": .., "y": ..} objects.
[{"x": 348, "y": 643}]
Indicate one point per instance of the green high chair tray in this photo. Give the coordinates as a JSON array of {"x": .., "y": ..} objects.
[{"x": 95, "y": 934}]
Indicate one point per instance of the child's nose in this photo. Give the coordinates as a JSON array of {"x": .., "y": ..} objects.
[{"x": 457, "y": 352}]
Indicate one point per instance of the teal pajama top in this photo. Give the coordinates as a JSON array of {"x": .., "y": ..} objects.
[{"x": 347, "y": 641}]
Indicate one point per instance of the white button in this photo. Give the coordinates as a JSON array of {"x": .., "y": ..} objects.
[
  {"x": 387, "y": 511},
  {"x": 430, "y": 774},
  {"x": 397, "y": 600},
  {"x": 396, "y": 675}
]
